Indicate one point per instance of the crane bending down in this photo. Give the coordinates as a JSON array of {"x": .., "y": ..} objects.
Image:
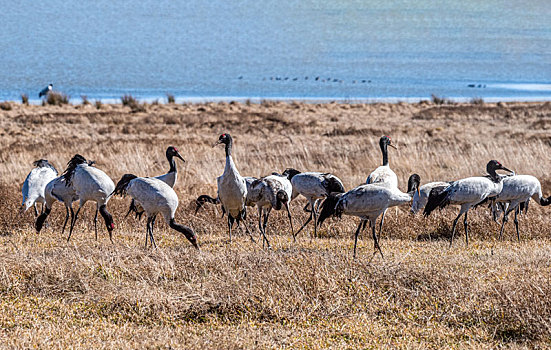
[
  {"x": 155, "y": 197},
  {"x": 367, "y": 202},
  {"x": 56, "y": 190},
  {"x": 271, "y": 192},
  {"x": 89, "y": 184},
  {"x": 518, "y": 190},
  {"x": 35, "y": 184},
  {"x": 314, "y": 186},
  {"x": 468, "y": 193}
]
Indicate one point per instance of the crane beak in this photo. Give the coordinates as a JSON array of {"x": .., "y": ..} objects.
[
  {"x": 217, "y": 143},
  {"x": 180, "y": 156},
  {"x": 504, "y": 168},
  {"x": 392, "y": 145}
]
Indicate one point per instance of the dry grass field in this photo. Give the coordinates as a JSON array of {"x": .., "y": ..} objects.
[{"x": 309, "y": 294}]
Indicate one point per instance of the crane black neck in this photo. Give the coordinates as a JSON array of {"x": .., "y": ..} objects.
[
  {"x": 172, "y": 163},
  {"x": 229, "y": 146},
  {"x": 384, "y": 150}
]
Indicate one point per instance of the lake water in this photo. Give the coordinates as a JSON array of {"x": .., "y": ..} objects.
[{"x": 352, "y": 50}]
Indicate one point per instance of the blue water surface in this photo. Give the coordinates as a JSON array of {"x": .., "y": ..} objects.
[{"x": 314, "y": 50}]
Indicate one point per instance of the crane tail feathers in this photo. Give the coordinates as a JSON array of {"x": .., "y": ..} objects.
[
  {"x": 328, "y": 208},
  {"x": 438, "y": 198}
]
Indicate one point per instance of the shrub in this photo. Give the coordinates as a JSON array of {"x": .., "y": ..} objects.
[
  {"x": 477, "y": 101},
  {"x": 5, "y": 106},
  {"x": 170, "y": 98},
  {"x": 98, "y": 104},
  {"x": 128, "y": 100},
  {"x": 84, "y": 100},
  {"x": 56, "y": 98},
  {"x": 440, "y": 100},
  {"x": 25, "y": 99}
]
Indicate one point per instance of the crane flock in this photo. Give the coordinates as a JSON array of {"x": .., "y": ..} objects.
[{"x": 325, "y": 193}]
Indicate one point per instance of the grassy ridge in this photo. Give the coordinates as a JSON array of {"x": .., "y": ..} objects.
[{"x": 311, "y": 294}]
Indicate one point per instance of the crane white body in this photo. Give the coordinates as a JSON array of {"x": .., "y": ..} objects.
[
  {"x": 267, "y": 193},
  {"x": 90, "y": 184},
  {"x": 232, "y": 189},
  {"x": 156, "y": 197},
  {"x": 35, "y": 185},
  {"x": 518, "y": 189},
  {"x": 468, "y": 193},
  {"x": 313, "y": 186}
]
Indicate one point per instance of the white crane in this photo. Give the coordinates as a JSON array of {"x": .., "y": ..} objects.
[
  {"x": 35, "y": 184},
  {"x": 155, "y": 197},
  {"x": 271, "y": 192},
  {"x": 205, "y": 198},
  {"x": 468, "y": 193},
  {"x": 383, "y": 175},
  {"x": 517, "y": 190},
  {"x": 169, "y": 178},
  {"x": 313, "y": 186},
  {"x": 367, "y": 202},
  {"x": 45, "y": 91},
  {"x": 57, "y": 190},
  {"x": 232, "y": 188},
  {"x": 421, "y": 197},
  {"x": 90, "y": 184}
]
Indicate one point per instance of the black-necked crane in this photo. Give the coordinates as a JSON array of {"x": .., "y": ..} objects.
[
  {"x": 56, "y": 190},
  {"x": 232, "y": 188},
  {"x": 205, "y": 198},
  {"x": 169, "y": 178},
  {"x": 421, "y": 197},
  {"x": 45, "y": 91},
  {"x": 313, "y": 186},
  {"x": 518, "y": 190},
  {"x": 90, "y": 184},
  {"x": 467, "y": 193},
  {"x": 155, "y": 197},
  {"x": 271, "y": 192},
  {"x": 367, "y": 202},
  {"x": 35, "y": 184},
  {"x": 384, "y": 175}
]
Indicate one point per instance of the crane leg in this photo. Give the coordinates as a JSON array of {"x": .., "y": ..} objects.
[
  {"x": 362, "y": 222},
  {"x": 230, "y": 224},
  {"x": 147, "y": 231},
  {"x": 290, "y": 219},
  {"x": 453, "y": 228},
  {"x": 303, "y": 226},
  {"x": 315, "y": 224},
  {"x": 65, "y": 222},
  {"x": 96, "y": 223},
  {"x": 503, "y": 221},
  {"x": 381, "y": 224},
  {"x": 73, "y": 222},
  {"x": 151, "y": 233},
  {"x": 516, "y": 222},
  {"x": 266, "y": 216},
  {"x": 376, "y": 242},
  {"x": 466, "y": 225}
]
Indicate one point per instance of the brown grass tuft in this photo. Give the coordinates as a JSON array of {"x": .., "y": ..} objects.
[{"x": 56, "y": 98}]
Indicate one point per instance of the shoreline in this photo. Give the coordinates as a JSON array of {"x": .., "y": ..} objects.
[{"x": 162, "y": 99}]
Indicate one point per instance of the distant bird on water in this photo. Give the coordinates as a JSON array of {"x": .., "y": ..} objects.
[{"x": 46, "y": 91}]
